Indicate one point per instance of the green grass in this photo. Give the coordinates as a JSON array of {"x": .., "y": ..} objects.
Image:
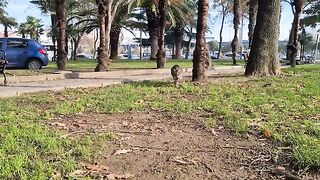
[
  {"x": 287, "y": 106},
  {"x": 89, "y": 65}
]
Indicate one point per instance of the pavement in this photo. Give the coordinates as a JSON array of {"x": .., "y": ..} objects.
[{"x": 30, "y": 84}]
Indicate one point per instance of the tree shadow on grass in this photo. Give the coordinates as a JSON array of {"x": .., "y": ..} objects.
[
  {"x": 220, "y": 76},
  {"x": 150, "y": 83}
]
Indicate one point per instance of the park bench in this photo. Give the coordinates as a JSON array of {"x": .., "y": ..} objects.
[{"x": 3, "y": 64}]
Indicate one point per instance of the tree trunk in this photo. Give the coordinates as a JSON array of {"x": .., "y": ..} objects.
[
  {"x": 188, "y": 47},
  {"x": 178, "y": 34},
  {"x": 73, "y": 53},
  {"x": 161, "y": 55},
  {"x": 263, "y": 59},
  {"x": 6, "y": 34},
  {"x": 296, "y": 24},
  {"x": 153, "y": 28},
  {"x": 102, "y": 54},
  {"x": 236, "y": 23},
  {"x": 253, "y": 6},
  {"x": 54, "y": 36},
  {"x": 290, "y": 41},
  {"x": 76, "y": 42},
  {"x": 114, "y": 41},
  {"x": 201, "y": 54},
  {"x": 61, "y": 26},
  {"x": 221, "y": 29}
]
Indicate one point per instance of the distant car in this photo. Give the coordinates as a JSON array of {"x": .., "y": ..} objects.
[
  {"x": 24, "y": 53},
  {"x": 83, "y": 56},
  {"x": 123, "y": 56},
  {"x": 50, "y": 51},
  {"x": 228, "y": 56}
]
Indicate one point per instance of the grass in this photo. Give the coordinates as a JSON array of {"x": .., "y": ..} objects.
[
  {"x": 89, "y": 65},
  {"x": 287, "y": 106}
]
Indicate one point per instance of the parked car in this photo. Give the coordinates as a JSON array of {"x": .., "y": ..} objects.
[{"x": 24, "y": 53}]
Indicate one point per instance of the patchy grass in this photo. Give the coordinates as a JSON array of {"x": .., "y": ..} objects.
[
  {"x": 89, "y": 65},
  {"x": 287, "y": 106}
]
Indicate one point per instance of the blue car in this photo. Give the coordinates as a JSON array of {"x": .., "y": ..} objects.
[{"x": 24, "y": 53}]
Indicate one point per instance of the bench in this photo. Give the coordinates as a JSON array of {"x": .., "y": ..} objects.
[{"x": 3, "y": 64}]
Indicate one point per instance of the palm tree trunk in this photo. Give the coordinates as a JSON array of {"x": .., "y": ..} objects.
[
  {"x": 263, "y": 59},
  {"x": 236, "y": 23},
  {"x": 102, "y": 54},
  {"x": 61, "y": 25},
  {"x": 178, "y": 33},
  {"x": 114, "y": 41},
  {"x": 6, "y": 34},
  {"x": 221, "y": 29},
  {"x": 201, "y": 54},
  {"x": 161, "y": 55},
  {"x": 153, "y": 28},
  {"x": 253, "y": 6}
]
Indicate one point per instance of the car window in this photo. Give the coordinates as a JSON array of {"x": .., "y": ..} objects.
[
  {"x": 17, "y": 43},
  {"x": 1, "y": 43}
]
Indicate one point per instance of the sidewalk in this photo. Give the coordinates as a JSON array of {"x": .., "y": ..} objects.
[{"x": 55, "y": 82}]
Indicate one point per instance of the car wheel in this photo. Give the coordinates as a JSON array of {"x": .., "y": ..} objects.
[{"x": 34, "y": 64}]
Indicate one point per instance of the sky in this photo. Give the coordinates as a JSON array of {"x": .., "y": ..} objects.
[{"x": 20, "y": 9}]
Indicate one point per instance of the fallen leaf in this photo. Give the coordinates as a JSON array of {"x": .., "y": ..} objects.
[
  {"x": 111, "y": 177},
  {"x": 78, "y": 125},
  {"x": 58, "y": 124},
  {"x": 266, "y": 133},
  {"x": 97, "y": 169},
  {"x": 122, "y": 151},
  {"x": 181, "y": 161},
  {"x": 77, "y": 173},
  {"x": 213, "y": 132},
  {"x": 281, "y": 168},
  {"x": 124, "y": 176}
]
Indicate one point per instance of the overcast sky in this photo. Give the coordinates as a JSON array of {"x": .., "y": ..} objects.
[{"x": 20, "y": 9}]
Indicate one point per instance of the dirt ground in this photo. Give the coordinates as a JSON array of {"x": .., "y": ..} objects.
[{"x": 155, "y": 145}]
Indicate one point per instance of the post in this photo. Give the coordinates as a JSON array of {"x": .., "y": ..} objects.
[
  {"x": 241, "y": 38},
  {"x": 317, "y": 44},
  {"x": 140, "y": 43}
]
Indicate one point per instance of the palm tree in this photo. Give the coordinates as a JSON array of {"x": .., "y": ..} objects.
[
  {"x": 305, "y": 39},
  {"x": 263, "y": 59},
  {"x": 201, "y": 54},
  {"x": 107, "y": 10},
  {"x": 34, "y": 27},
  {"x": 153, "y": 28},
  {"x": 7, "y": 22},
  {"x": 22, "y": 30},
  {"x": 224, "y": 12},
  {"x": 236, "y": 23},
  {"x": 183, "y": 14}
]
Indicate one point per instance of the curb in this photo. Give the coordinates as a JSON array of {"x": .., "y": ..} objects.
[{"x": 96, "y": 75}]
